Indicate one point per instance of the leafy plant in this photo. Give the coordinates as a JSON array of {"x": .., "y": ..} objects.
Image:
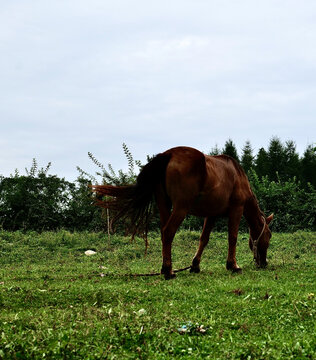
[
  {"x": 110, "y": 176},
  {"x": 294, "y": 207},
  {"x": 39, "y": 201}
]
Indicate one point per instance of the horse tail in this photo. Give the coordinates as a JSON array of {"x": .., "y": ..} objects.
[{"x": 135, "y": 202}]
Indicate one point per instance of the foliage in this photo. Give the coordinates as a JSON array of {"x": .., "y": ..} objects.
[
  {"x": 262, "y": 163},
  {"x": 215, "y": 150},
  {"x": 110, "y": 176},
  {"x": 230, "y": 149},
  {"x": 276, "y": 159},
  {"x": 57, "y": 303},
  {"x": 81, "y": 213},
  {"x": 119, "y": 178},
  {"x": 294, "y": 206},
  {"x": 41, "y": 202},
  {"x": 309, "y": 165},
  {"x": 292, "y": 161},
  {"x": 247, "y": 158},
  {"x": 282, "y": 162},
  {"x": 33, "y": 202}
]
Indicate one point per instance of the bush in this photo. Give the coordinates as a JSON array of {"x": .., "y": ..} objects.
[
  {"x": 47, "y": 202},
  {"x": 294, "y": 207}
]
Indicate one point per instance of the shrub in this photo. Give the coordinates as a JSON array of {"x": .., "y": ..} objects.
[
  {"x": 46, "y": 202},
  {"x": 294, "y": 207}
]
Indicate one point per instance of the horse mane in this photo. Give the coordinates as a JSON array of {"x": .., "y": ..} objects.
[
  {"x": 236, "y": 164},
  {"x": 253, "y": 199}
]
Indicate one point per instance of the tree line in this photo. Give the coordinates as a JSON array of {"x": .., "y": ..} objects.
[
  {"x": 283, "y": 181},
  {"x": 280, "y": 161}
]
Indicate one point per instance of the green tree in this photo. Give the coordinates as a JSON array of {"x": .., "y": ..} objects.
[
  {"x": 276, "y": 159},
  {"x": 292, "y": 161},
  {"x": 308, "y": 165},
  {"x": 261, "y": 163},
  {"x": 230, "y": 149},
  {"x": 215, "y": 151},
  {"x": 247, "y": 158}
]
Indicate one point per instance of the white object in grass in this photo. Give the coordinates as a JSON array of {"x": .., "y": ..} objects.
[{"x": 90, "y": 252}]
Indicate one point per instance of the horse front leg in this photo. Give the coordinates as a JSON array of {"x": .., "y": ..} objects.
[
  {"x": 168, "y": 233},
  {"x": 233, "y": 226},
  {"x": 204, "y": 239}
]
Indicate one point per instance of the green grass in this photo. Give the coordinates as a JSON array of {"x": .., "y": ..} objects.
[{"x": 55, "y": 302}]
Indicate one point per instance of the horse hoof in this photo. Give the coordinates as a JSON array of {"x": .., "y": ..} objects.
[
  {"x": 237, "y": 271},
  {"x": 233, "y": 267},
  {"x": 169, "y": 276},
  {"x": 195, "y": 270},
  {"x": 262, "y": 265}
]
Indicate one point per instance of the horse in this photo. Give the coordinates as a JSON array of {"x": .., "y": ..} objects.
[{"x": 182, "y": 181}]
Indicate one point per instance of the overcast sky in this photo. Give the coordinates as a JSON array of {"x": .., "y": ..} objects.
[{"x": 79, "y": 76}]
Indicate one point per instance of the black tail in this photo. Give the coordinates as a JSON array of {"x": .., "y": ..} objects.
[{"x": 134, "y": 202}]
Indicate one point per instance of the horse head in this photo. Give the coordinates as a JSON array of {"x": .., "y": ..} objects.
[{"x": 259, "y": 245}]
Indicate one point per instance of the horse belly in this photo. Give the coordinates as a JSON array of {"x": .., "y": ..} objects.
[{"x": 210, "y": 204}]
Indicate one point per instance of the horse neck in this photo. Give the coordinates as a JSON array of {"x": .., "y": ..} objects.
[{"x": 253, "y": 216}]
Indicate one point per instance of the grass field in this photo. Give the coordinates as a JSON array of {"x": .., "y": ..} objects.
[{"x": 56, "y": 302}]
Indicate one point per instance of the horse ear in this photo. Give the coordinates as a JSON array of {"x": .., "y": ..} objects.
[{"x": 269, "y": 218}]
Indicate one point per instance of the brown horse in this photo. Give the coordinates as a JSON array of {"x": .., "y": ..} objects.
[{"x": 185, "y": 181}]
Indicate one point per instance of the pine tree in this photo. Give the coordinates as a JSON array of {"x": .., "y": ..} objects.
[
  {"x": 308, "y": 163},
  {"x": 276, "y": 159},
  {"x": 261, "y": 163},
  {"x": 292, "y": 161},
  {"x": 215, "y": 150},
  {"x": 247, "y": 158},
  {"x": 230, "y": 149}
]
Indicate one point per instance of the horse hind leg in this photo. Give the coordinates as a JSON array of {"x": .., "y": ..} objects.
[
  {"x": 164, "y": 205},
  {"x": 204, "y": 239},
  {"x": 167, "y": 235}
]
